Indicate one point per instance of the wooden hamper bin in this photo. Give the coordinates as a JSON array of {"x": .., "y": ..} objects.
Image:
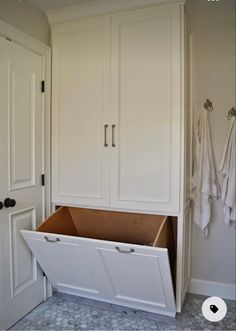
[{"x": 118, "y": 257}]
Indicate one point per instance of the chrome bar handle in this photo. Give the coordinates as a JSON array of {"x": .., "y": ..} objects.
[
  {"x": 51, "y": 240},
  {"x": 131, "y": 250},
  {"x": 113, "y": 135},
  {"x": 105, "y": 135}
]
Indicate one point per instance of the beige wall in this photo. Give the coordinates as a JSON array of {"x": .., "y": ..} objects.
[
  {"x": 26, "y": 17},
  {"x": 213, "y": 27}
]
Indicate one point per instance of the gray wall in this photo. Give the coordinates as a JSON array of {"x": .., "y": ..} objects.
[
  {"x": 26, "y": 17},
  {"x": 213, "y": 27}
]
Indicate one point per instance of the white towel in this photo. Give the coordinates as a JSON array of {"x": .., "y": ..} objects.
[
  {"x": 227, "y": 170},
  {"x": 205, "y": 185}
]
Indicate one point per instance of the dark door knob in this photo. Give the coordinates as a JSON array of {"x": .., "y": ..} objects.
[
  {"x": 8, "y": 202},
  {"x": 1, "y": 205}
]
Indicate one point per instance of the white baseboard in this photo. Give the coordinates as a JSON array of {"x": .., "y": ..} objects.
[{"x": 205, "y": 287}]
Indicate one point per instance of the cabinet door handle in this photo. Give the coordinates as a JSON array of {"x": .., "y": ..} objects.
[
  {"x": 113, "y": 135},
  {"x": 105, "y": 135},
  {"x": 51, "y": 240},
  {"x": 131, "y": 250}
]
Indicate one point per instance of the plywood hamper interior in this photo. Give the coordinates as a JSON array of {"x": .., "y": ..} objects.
[
  {"x": 132, "y": 228},
  {"x": 124, "y": 227}
]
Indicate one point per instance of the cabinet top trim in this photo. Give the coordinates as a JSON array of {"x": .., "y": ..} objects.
[{"x": 101, "y": 7}]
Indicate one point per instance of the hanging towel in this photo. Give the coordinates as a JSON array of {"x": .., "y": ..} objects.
[
  {"x": 205, "y": 185},
  {"x": 227, "y": 170}
]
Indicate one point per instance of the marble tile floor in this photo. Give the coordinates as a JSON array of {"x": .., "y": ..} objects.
[{"x": 68, "y": 312}]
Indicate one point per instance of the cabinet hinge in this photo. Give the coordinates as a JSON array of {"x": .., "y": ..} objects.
[
  {"x": 42, "y": 180},
  {"x": 43, "y": 86}
]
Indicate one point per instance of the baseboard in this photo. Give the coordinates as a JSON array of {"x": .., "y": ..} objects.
[{"x": 204, "y": 287}]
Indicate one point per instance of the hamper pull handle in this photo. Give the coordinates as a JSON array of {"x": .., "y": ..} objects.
[
  {"x": 131, "y": 250},
  {"x": 51, "y": 240}
]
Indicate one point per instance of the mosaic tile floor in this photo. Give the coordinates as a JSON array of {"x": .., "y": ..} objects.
[{"x": 67, "y": 312}]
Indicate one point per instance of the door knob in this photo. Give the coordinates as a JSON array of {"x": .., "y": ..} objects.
[
  {"x": 1, "y": 205},
  {"x": 8, "y": 202}
]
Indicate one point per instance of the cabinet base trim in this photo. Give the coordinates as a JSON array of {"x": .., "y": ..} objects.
[{"x": 205, "y": 287}]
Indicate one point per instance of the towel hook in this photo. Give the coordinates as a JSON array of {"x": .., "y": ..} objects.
[
  {"x": 208, "y": 105},
  {"x": 231, "y": 112}
]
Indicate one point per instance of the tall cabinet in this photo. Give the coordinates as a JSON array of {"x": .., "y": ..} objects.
[{"x": 118, "y": 114}]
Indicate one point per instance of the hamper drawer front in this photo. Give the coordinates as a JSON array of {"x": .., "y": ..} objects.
[
  {"x": 130, "y": 275},
  {"x": 64, "y": 261},
  {"x": 138, "y": 276}
]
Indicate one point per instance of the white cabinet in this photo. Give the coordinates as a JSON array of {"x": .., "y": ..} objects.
[
  {"x": 137, "y": 277},
  {"x": 117, "y": 111},
  {"x": 80, "y": 112},
  {"x": 116, "y": 257},
  {"x": 119, "y": 129},
  {"x": 145, "y": 107}
]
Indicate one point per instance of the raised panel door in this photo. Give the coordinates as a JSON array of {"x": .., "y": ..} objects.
[
  {"x": 145, "y": 109},
  {"x": 80, "y": 113},
  {"x": 134, "y": 276},
  {"x": 21, "y": 167},
  {"x": 66, "y": 262}
]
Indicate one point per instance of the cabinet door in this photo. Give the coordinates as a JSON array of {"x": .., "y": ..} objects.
[
  {"x": 146, "y": 109},
  {"x": 64, "y": 260},
  {"x": 137, "y": 277},
  {"x": 80, "y": 166}
]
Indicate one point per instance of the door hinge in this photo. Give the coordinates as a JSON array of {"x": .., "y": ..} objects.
[
  {"x": 42, "y": 180},
  {"x": 43, "y": 86}
]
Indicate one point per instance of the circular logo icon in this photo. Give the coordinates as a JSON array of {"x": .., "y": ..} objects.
[{"x": 214, "y": 309}]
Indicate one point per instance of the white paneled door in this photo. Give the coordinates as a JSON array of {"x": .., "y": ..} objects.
[
  {"x": 80, "y": 99},
  {"x": 145, "y": 109},
  {"x": 21, "y": 164}
]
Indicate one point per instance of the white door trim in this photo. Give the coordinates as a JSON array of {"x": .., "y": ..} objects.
[{"x": 19, "y": 37}]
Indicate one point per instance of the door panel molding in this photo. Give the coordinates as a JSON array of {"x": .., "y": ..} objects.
[
  {"x": 22, "y": 279},
  {"x": 21, "y": 176},
  {"x": 112, "y": 276}
]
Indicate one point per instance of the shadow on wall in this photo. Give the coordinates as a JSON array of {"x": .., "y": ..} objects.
[{"x": 25, "y": 16}]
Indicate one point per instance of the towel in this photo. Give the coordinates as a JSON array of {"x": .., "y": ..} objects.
[
  {"x": 227, "y": 170},
  {"x": 205, "y": 185}
]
